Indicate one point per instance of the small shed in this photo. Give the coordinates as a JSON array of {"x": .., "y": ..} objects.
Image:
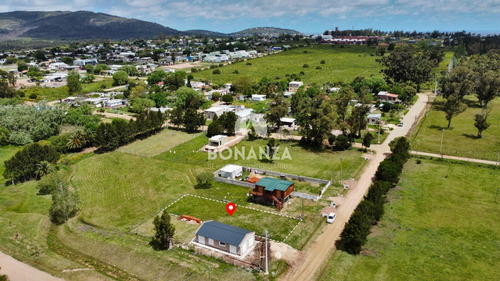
[
  {"x": 226, "y": 238},
  {"x": 374, "y": 118},
  {"x": 218, "y": 140},
  {"x": 231, "y": 171}
]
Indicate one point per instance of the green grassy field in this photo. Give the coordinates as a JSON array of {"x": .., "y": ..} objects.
[
  {"x": 434, "y": 228},
  {"x": 341, "y": 64},
  {"x": 157, "y": 144},
  {"x": 51, "y": 94},
  {"x": 277, "y": 226},
  {"x": 460, "y": 139}
]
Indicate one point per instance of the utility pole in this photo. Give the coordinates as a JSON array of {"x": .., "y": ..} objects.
[
  {"x": 340, "y": 170},
  {"x": 441, "y": 146},
  {"x": 378, "y": 140},
  {"x": 266, "y": 254}
]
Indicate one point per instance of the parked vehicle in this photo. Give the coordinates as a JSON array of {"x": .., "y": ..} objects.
[
  {"x": 400, "y": 124},
  {"x": 331, "y": 218}
]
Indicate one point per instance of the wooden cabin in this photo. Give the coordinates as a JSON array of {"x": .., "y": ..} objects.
[{"x": 271, "y": 191}]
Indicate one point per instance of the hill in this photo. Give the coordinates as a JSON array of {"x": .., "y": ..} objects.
[
  {"x": 85, "y": 25},
  {"x": 266, "y": 31},
  {"x": 76, "y": 25}
]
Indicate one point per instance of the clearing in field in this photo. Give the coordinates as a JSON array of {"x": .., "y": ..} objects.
[
  {"x": 341, "y": 64},
  {"x": 434, "y": 228},
  {"x": 460, "y": 139},
  {"x": 157, "y": 144}
]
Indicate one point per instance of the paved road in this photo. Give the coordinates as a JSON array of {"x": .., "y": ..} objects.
[
  {"x": 18, "y": 271},
  {"x": 481, "y": 161},
  {"x": 311, "y": 260}
]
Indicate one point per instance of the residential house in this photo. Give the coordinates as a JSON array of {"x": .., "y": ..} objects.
[
  {"x": 374, "y": 118},
  {"x": 226, "y": 238},
  {"x": 387, "y": 97},
  {"x": 293, "y": 86},
  {"x": 271, "y": 191},
  {"x": 217, "y": 141},
  {"x": 258, "y": 97}
]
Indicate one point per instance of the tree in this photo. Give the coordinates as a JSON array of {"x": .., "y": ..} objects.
[
  {"x": 270, "y": 148},
  {"x": 405, "y": 65},
  {"x": 388, "y": 171},
  {"x": 120, "y": 78},
  {"x": 77, "y": 141},
  {"x": 43, "y": 168},
  {"x": 88, "y": 79},
  {"x": 452, "y": 107},
  {"x": 244, "y": 86},
  {"x": 342, "y": 143},
  {"x": 227, "y": 99},
  {"x": 214, "y": 128},
  {"x": 193, "y": 119},
  {"x": 4, "y": 136},
  {"x": 130, "y": 69},
  {"x": 164, "y": 232},
  {"x": 487, "y": 86},
  {"x": 204, "y": 180},
  {"x": 140, "y": 105},
  {"x": 73, "y": 83},
  {"x": 355, "y": 232},
  {"x": 459, "y": 83},
  {"x": 278, "y": 110},
  {"x": 24, "y": 164},
  {"x": 227, "y": 122},
  {"x": 367, "y": 140},
  {"x": 64, "y": 203},
  {"x": 12, "y": 78},
  {"x": 358, "y": 120},
  {"x": 481, "y": 123},
  {"x": 342, "y": 100}
]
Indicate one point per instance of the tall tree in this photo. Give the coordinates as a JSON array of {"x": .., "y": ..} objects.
[
  {"x": 278, "y": 110},
  {"x": 481, "y": 123},
  {"x": 73, "y": 82},
  {"x": 342, "y": 100},
  {"x": 459, "y": 82},
  {"x": 164, "y": 232},
  {"x": 453, "y": 106},
  {"x": 64, "y": 203},
  {"x": 487, "y": 86}
]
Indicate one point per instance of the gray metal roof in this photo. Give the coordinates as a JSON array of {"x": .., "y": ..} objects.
[{"x": 222, "y": 232}]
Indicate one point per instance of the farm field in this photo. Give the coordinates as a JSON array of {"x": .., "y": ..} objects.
[
  {"x": 460, "y": 139},
  {"x": 434, "y": 228},
  {"x": 341, "y": 65},
  {"x": 158, "y": 143}
]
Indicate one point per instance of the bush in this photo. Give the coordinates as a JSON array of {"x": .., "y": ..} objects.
[
  {"x": 193, "y": 70},
  {"x": 216, "y": 71},
  {"x": 342, "y": 143},
  {"x": 249, "y": 63},
  {"x": 388, "y": 171},
  {"x": 322, "y": 62},
  {"x": 236, "y": 71},
  {"x": 204, "y": 180},
  {"x": 318, "y": 67},
  {"x": 305, "y": 66}
]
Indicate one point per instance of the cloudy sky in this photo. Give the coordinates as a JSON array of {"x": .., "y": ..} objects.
[{"x": 308, "y": 16}]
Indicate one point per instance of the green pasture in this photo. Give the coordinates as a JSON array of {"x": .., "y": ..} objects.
[
  {"x": 341, "y": 64},
  {"x": 434, "y": 228},
  {"x": 158, "y": 143},
  {"x": 460, "y": 139}
]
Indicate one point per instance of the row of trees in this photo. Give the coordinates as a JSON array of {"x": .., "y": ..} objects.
[
  {"x": 185, "y": 112},
  {"x": 371, "y": 209},
  {"x": 119, "y": 132}
]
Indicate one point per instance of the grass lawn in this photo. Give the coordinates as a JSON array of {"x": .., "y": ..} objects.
[
  {"x": 301, "y": 162},
  {"x": 6, "y": 152},
  {"x": 51, "y": 94},
  {"x": 277, "y": 226},
  {"x": 434, "y": 228},
  {"x": 460, "y": 139},
  {"x": 157, "y": 144},
  {"x": 341, "y": 64},
  {"x": 117, "y": 190}
]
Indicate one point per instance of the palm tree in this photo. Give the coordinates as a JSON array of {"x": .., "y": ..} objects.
[
  {"x": 43, "y": 168},
  {"x": 77, "y": 141}
]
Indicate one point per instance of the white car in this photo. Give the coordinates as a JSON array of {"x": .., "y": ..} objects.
[{"x": 331, "y": 218}]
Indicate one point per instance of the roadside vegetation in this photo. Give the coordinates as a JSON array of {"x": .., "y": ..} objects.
[{"x": 439, "y": 223}]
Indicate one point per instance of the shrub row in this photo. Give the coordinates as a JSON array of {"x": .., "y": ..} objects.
[{"x": 371, "y": 209}]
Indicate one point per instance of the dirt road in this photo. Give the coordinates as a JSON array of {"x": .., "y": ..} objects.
[
  {"x": 481, "y": 161},
  {"x": 310, "y": 261},
  {"x": 18, "y": 271}
]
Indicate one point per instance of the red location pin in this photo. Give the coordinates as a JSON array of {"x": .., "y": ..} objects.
[{"x": 230, "y": 208}]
